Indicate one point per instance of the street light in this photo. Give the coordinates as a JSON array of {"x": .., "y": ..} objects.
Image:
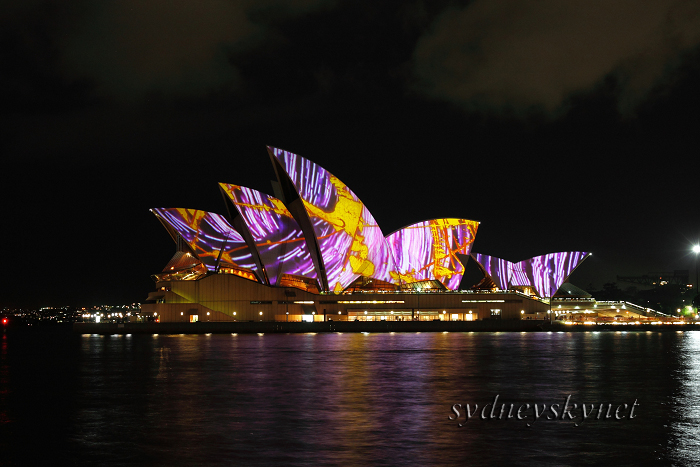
[{"x": 696, "y": 250}]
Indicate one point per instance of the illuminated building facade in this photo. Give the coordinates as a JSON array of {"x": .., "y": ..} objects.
[{"x": 315, "y": 252}]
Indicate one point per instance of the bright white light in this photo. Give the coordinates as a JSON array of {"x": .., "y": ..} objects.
[{"x": 696, "y": 249}]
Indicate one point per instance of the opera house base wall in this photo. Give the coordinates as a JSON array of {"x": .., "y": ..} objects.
[{"x": 230, "y": 298}]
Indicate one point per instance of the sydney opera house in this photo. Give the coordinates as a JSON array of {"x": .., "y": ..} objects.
[{"x": 314, "y": 252}]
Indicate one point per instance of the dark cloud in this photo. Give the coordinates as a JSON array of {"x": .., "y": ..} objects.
[
  {"x": 129, "y": 49},
  {"x": 524, "y": 56}
]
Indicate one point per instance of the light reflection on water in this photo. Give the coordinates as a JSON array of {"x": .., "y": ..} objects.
[
  {"x": 684, "y": 443},
  {"x": 348, "y": 399}
]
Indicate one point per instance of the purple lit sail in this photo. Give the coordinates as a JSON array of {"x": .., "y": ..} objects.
[
  {"x": 497, "y": 269},
  {"x": 551, "y": 270},
  {"x": 544, "y": 273},
  {"x": 350, "y": 241},
  {"x": 428, "y": 251},
  {"x": 212, "y": 239},
  {"x": 278, "y": 238}
]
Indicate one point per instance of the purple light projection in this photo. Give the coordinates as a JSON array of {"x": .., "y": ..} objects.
[
  {"x": 544, "y": 273},
  {"x": 278, "y": 238},
  {"x": 497, "y": 269},
  {"x": 427, "y": 251},
  {"x": 350, "y": 241},
  {"x": 213, "y": 240}
]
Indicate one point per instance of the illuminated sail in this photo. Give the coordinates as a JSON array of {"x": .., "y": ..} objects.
[
  {"x": 350, "y": 242},
  {"x": 428, "y": 251},
  {"x": 278, "y": 238},
  {"x": 545, "y": 273},
  {"x": 212, "y": 239}
]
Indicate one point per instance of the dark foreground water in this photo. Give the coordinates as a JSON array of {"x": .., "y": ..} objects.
[{"x": 348, "y": 399}]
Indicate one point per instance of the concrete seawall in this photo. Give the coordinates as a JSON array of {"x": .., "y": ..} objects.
[
  {"x": 358, "y": 326},
  {"x": 297, "y": 327}
]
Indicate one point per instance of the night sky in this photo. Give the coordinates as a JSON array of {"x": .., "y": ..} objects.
[{"x": 558, "y": 125}]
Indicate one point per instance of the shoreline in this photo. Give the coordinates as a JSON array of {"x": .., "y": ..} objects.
[{"x": 239, "y": 327}]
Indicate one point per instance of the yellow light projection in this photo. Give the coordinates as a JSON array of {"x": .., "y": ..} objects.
[
  {"x": 428, "y": 251},
  {"x": 346, "y": 217}
]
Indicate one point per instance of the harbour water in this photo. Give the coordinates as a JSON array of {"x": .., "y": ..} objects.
[{"x": 349, "y": 399}]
